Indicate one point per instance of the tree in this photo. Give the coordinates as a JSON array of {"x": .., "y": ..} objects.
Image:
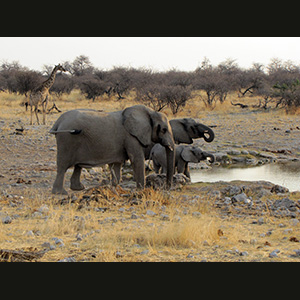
[
  {"x": 170, "y": 89},
  {"x": 92, "y": 86},
  {"x": 288, "y": 94},
  {"x": 63, "y": 84},
  {"x": 207, "y": 78},
  {"x": 80, "y": 66},
  {"x": 120, "y": 81}
]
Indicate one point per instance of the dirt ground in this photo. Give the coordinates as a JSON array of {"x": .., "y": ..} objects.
[{"x": 107, "y": 224}]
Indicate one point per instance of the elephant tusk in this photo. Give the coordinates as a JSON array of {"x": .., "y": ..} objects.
[{"x": 170, "y": 148}]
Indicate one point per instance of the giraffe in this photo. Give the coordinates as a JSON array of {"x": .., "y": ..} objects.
[{"x": 41, "y": 93}]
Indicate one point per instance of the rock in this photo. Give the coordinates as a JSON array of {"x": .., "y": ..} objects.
[
  {"x": 233, "y": 152},
  {"x": 46, "y": 245},
  {"x": 277, "y": 189},
  {"x": 274, "y": 253},
  {"x": 221, "y": 157},
  {"x": 297, "y": 252},
  {"x": 232, "y": 190},
  {"x": 261, "y": 221},
  {"x": 227, "y": 201},
  {"x": 150, "y": 213},
  {"x": 253, "y": 152},
  {"x": 176, "y": 219},
  {"x": 240, "y": 198},
  {"x": 118, "y": 254},
  {"x": 294, "y": 222},
  {"x": 239, "y": 159},
  {"x": 196, "y": 214},
  {"x": 7, "y": 220},
  {"x": 134, "y": 216},
  {"x": 165, "y": 217},
  {"x": 285, "y": 203},
  {"x": 79, "y": 237},
  {"x": 68, "y": 259},
  {"x": 158, "y": 181},
  {"x": 58, "y": 242},
  {"x": 43, "y": 209},
  {"x": 29, "y": 233}
]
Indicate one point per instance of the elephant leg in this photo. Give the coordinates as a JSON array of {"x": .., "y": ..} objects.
[
  {"x": 156, "y": 167},
  {"x": 181, "y": 165},
  {"x": 138, "y": 166},
  {"x": 187, "y": 171},
  {"x": 164, "y": 169},
  {"x": 76, "y": 185},
  {"x": 58, "y": 186},
  {"x": 115, "y": 169}
]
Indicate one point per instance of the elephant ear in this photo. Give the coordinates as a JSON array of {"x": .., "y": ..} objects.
[
  {"x": 137, "y": 122},
  {"x": 188, "y": 155}
]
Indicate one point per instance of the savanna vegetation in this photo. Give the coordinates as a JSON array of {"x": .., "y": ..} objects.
[
  {"x": 189, "y": 223},
  {"x": 277, "y": 83}
]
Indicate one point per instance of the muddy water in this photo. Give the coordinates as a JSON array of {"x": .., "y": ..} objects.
[{"x": 287, "y": 175}]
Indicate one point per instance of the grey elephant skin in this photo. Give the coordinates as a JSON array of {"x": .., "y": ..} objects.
[
  {"x": 183, "y": 155},
  {"x": 185, "y": 130},
  {"x": 89, "y": 138}
]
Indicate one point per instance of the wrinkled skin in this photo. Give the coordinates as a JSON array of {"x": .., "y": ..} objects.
[
  {"x": 183, "y": 155},
  {"x": 89, "y": 138},
  {"x": 185, "y": 131}
]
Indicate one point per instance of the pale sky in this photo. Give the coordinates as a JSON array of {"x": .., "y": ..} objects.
[{"x": 158, "y": 53}]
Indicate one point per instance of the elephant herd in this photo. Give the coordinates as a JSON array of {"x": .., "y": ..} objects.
[{"x": 87, "y": 138}]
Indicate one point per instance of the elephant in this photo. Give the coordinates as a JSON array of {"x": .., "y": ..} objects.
[
  {"x": 89, "y": 138},
  {"x": 185, "y": 130},
  {"x": 183, "y": 155}
]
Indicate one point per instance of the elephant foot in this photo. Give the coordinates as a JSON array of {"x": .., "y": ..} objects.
[
  {"x": 59, "y": 191},
  {"x": 77, "y": 187}
]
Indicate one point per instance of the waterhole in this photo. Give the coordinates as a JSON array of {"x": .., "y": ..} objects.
[{"x": 285, "y": 174}]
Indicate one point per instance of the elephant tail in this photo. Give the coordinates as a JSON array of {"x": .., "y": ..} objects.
[{"x": 72, "y": 131}]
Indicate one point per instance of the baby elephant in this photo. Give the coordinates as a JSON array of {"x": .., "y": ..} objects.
[{"x": 183, "y": 155}]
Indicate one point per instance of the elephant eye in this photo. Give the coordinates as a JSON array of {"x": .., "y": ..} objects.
[{"x": 164, "y": 130}]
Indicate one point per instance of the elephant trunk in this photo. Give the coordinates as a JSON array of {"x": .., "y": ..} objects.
[
  {"x": 204, "y": 130},
  {"x": 170, "y": 165},
  {"x": 210, "y": 156}
]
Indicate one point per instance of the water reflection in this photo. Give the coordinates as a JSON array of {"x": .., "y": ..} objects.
[{"x": 287, "y": 174}]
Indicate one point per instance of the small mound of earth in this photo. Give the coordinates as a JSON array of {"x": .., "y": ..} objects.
[{"x": 158, "y": 181}]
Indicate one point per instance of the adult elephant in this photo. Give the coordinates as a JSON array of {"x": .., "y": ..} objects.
[
  {"x": 184, "y": 131},
  {"x": 187, "y": 129},
  {"x": 88, "y": 138}
]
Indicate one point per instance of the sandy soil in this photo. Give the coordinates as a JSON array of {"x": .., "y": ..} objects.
[{"x": 121, "y": 225}]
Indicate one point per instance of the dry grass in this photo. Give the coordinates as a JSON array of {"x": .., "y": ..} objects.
[
  {"x": 114, "y": 235},
  {"x": 172, "y": 233},
  {"x": 194, "y": 108}
]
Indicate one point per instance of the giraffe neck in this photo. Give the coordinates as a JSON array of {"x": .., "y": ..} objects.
[{"x": 49, "y": 82}]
